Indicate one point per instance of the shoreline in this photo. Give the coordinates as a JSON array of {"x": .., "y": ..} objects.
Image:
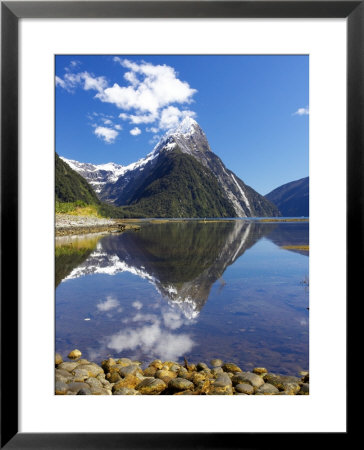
[
  {"x": 123, "y": 376},
  {"x": 68, "y": 224}
]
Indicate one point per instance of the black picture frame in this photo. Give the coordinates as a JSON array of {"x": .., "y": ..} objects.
[{"x": 11, "y": 12}]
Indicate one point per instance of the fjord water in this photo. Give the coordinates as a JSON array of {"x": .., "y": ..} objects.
[{"x": 194, "y": 289}]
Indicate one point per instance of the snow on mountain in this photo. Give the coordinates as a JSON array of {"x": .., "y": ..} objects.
[{"x": 117, "y": 184}]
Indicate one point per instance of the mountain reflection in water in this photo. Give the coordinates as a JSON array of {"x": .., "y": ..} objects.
[{"x": 179, "y": 266}]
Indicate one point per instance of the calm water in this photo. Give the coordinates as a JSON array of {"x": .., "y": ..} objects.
[{"x": 187, "y": 289}]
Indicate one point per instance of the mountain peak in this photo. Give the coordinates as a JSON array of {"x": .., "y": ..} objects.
[{"x": 187, "y": 126}]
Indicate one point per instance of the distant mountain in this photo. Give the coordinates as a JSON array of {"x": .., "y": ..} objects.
[
  {"x": 292, "y": 199},
  {"x": 70, "y": 186},
  {"x": 181, "y": 177}
]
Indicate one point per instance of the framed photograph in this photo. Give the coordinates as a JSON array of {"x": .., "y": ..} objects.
[{"x": 181, "y": 191}]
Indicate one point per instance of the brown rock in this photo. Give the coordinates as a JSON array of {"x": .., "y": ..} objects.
[
  {"x": 61, "y": 388},
  {"x": 286, "y": 383},
  {"x": 216, "y": 363},
  {"x": 74, "y": 354},
  {"x": 92, "y": 369},
  {"x": 113, "y": 377},
  {"x": 230, "y": 367},
  {"x": 157, "y": 363},
  {"x": 180, "y": 384},
  {"x": 69, "y": 366},
  {"x": 130, "y": 381},
  {"x": 151, "y": 386},
  {"x": 267, "y": 389},
  {"x": 248, "y": 377},
  {"x": 150, "y": 371},
  {"x": 165, "y": 375},
  {"x": 244, "y": 388},
  {"x": 130, "y": 370},
  {"x": 58, "y": 359},
  {"x": 80, "y": 374},
  {"x": 107, "y": 363},
  {"x": 260, "y": 370}
]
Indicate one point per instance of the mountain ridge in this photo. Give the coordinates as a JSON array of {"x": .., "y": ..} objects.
[
  {"x": 118, "y": 184},
  {"x": 292, "y": 198}
]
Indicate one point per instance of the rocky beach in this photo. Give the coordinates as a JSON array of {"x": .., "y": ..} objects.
[
  {"x": 122, "y": 376},
  {"x": 69, "y": 224}
]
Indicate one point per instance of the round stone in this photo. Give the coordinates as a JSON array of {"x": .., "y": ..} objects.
[
  {"x": 74, "y": 354},
  {"x": 216, "y": 363},
  {"x": 58, "y": 359},
  {"x": 164, "y": 374},
  {"x": 69, "y": 366},
  {"x": 61, "y": 388},
  {"x": 79, "y": 374},
  {"x": 94, "y": 382},
  {"x": 222, "y": 380},
  {"x": 63, "y": 375},
  {"x": 151, "y": 386},
  {"x": 130, "y": 381},
  {"x": 267, "y": 389},
  {"x": 130, "y": 370},
  {"x": 124, "y": 361},
  {"x": 244, "y": 388},
  {"x": 92, "y": 369},
  {"x": 287, "y": 383},
  {"x": 216, "y": 371},
  {"x": 201, "y": 366},
  {"x": 230, "y": 367},
  {"x": 260, "y": 370},
  {"x": 248, "y": 377},
  {"x": 180, "y": 384}
]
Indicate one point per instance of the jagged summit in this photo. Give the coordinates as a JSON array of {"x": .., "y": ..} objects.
[
  {"x": 187, "y": 126},
  {"x": 188, "y": 136}
]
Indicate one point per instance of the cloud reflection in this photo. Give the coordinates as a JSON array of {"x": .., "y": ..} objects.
[
  {"x": 152, "y": 338},
  {"x": 108, "y": 304}
]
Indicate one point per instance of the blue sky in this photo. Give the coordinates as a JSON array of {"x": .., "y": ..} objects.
[{"x": 253, "y": 109}]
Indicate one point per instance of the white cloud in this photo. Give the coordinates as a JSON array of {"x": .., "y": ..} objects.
[
  {"x": 60, "y": 82},
  {"x": 148, "y": 94},
  {"x": 135, "y": 131},
  {"x": 151, "y": 87},
  {"x": 107, "y": 122},
  {"x": 108, "y": 304},
  {"x": 152, "y": 129},
  {"x": 118, "y": 127},
  {"x": 137, "y": 119},
  {"x": 107, "y": 134},
  {"x": 301, "y": 112},
  {"x": 137, "y": 305},
  {"x": 88, "y": 82},
  {"x": 171, "y": 116}
]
